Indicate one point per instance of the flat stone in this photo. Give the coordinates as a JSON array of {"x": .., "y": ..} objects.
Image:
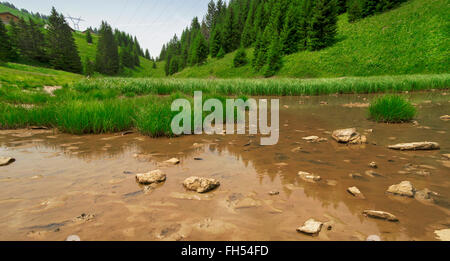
[
  {"x": 446, "y": 156},
  {"x": 416, "y": 146},
  {"x": 156, "y": 176},
  {"x": 356, "y": 176},
  {"x": 373, "y": 165},
  {"x": 356, "y": 192},
  {"x": 311, "y": 227},
  {"x": 380, "y": 215},
  {"x": 314, "y": 139},
  {"x": 173, "y": 161},
  {"x": 309, "y": 177},
  {"x": 443, "y": 234},
  {"x": 6, "y": 161},
  {"x": 405, "y": 188},
  {"x": 425, "y": 195},
  {"x": 200, "y": 185},
  {"x": 274, "y": 193},
  {"x": 349, "y": 136},
  {"x": 445, "y": 118}
]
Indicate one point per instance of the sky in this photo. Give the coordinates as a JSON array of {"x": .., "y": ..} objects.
[{"x": 153, "y": 22}]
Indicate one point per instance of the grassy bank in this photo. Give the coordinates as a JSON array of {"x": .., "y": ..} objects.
[
  {"x": 268, "y": 87},
  {"x": 411, "y": 39}
]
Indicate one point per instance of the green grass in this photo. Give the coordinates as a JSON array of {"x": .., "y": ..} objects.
[
  {"x": 25, "y": 76},
  {"x": 391, "y": 109},
  {"x": 19, "y": 13},
  {"x": 267, "y": 87},
  {"x": 411, "y": 39}
]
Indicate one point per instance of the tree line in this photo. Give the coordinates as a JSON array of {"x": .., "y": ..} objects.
[
  {"x": 274, "y": 28},
  {"x": 54, "y": 45}
]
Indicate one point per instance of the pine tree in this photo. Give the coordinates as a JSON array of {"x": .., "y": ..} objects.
[
  {"x": 240, "y": 59},
  {"x": 220, "y": 54},
  {"x": 63, "y": 53},
  {"x": 89, "y": 36},
  {"x": 215, "y": 42},
  {"x": 13, "y": 34},
  {"x": 147, "y": 54},
  {"x": 127, "y": 57},
  {"x": 354, "y": 10},
  {"x": 89, "y": 67},
  {"x": 107, "y": 59},
  {"x": 200, "y": 53},
  {"x": 291, "y": 35},
  {"x": 154, "y": 65},
  {"x": 6, "y": 50},
  {"x": 323, "y": 25},
  {"x": 274, "y": 62}
]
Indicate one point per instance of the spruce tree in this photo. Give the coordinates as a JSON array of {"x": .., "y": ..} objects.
[
  {"x": 89, "y": 67},
  {"x": 6, "y": 49},
  {"x": 107, "y": 59},
  {"x": 147, "y": 54},
  {"x": 274, "y": 62},
  {"x": 291, "y": 35},
  {"x": 240, "y": 58},
  {"x": 62, "y": 53},
  {"x": 323, "y": 25},
  {"x": 89, "y": 37},
  {"x": 354, "y": 10},
  {"x": 221, "y": 53},
  {"x": 200, "y": 50},
  {"x": 215, "y": 42}
]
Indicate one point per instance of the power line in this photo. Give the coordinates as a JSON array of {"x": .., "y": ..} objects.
[
  {"x": 122, "y": 12},
  {"x": 135, "y": 12}
]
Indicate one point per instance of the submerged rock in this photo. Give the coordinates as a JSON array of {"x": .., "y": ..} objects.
[
  {"x": 356, "y": 192},
  {"x": 445, "y": 118},
  {"x": 314, "y": 139},
  {"x": 200, "y": 185},
  {"x": 425, "y": 195},
  {"x": 349, "y": 136},
  {"x": 416, "y": 146},
  {"x": 6, "y": 161},
  {"x": 405, "y": 188},
  {"x": 373, "y": 238},
  {"x": 309, "y": 177},
  {"x": 156, "y": 176},
  {"x": 311, "y": 227},
  {"x": 443, "y": 234},
  {"x": 373, "y": 165},
  {"x": 173, "y": 161},
  {"x": 380, "y": 215}
]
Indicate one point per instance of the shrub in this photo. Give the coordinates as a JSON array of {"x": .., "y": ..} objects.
[
  {"x": 240, "y": 59},
  {"x": 391, "y": 109},
  {"x": 220, "y": 54}
]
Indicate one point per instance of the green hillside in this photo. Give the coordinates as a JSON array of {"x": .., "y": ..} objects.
[
  {"x": 17, "y": 13},
  {"x": 411, "y": 39}
]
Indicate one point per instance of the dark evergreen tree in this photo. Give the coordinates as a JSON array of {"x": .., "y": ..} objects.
[
  {"x": 354, "y": 10},
  {"x": 274, "y": 62},
  {"x": 6, "y": 50},
  {"x": 63, "y": 52},
  {"x": 107, "y": 59},
  {"x": 89, "y": 67},
  {"x": 240, "y": 59},
  {"x": 201, "y": 52},
  {"x": 221, "y": 53},
  {"x": 323, "y": 25},
  {"x": 215, "y": 42},
  {"x": 291, "y": 35},
  {"x": 88, "y": 37},
  {"x": 147, "y": 54}
]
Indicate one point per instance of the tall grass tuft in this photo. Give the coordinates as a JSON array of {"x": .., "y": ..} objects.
[{"x": 392, "y": 109}]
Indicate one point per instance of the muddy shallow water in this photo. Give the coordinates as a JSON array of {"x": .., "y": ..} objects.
[{"x": 57, "y": 177}]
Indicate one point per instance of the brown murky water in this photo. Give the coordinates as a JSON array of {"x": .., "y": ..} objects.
[{"x": 58, "y": 177}]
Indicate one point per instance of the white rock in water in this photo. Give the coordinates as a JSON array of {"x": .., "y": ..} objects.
[
  {"x": 356, "y": 192},
  {"x": 380, "y": 215},
  {"x": 311, "y": 227},
  {"x": 405, "y": 188},
  {"x": 200, "y": 185},
  {"x": 349, "y": 136},
  {"x": 6, "y": 161},
  {"x": 373, "y": 238},
  {"x": 445, "y": 118},
  {"x": 443, "y": 234},
  {"x": 73, "y": 238},
  {"x": 416, "y": 146},
  {"x": 309, "y": 177},
  {"x": 173, "y": 161},
  {"x": 156, "y": 176}
]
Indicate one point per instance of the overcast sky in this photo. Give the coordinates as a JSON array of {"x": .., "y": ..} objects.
[{"x": 154, "y": 22}]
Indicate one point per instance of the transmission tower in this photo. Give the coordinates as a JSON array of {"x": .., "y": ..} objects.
[{"x": 75, "y": 21}]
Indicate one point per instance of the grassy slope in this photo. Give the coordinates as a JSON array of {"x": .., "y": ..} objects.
[
  {"x": 412, "y": 39},
  {"x": 24, "y": 76},
  {"x": 15, "y": 12}
]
